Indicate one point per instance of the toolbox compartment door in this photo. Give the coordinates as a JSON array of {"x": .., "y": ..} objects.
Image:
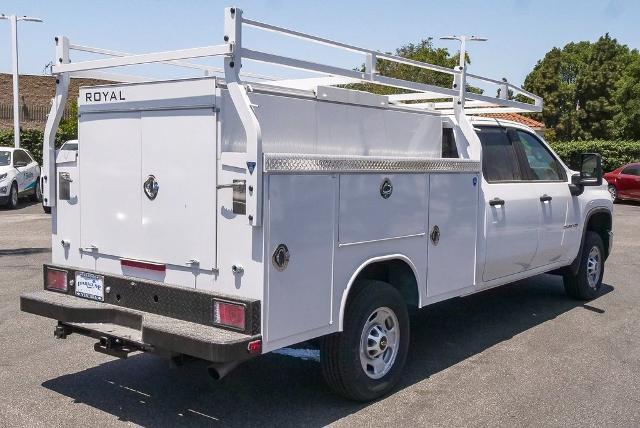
[{"x": 122, "y": 150}]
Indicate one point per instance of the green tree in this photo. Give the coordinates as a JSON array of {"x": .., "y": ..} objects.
[
  {"x": 627, "y": 96},
  {"x": 595, "y": 88},
  {"x": 555, "y": 78},
  {"x": 590, "y": 90}
]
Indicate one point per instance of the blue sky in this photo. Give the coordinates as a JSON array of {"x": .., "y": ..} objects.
[{"x": 520, "y": 31}]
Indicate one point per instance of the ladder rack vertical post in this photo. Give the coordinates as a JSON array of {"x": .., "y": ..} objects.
[
  {"x": 242, "y": 103},
  {"x": 371, "y": 65},
  {"x": 58, "y": 104}
]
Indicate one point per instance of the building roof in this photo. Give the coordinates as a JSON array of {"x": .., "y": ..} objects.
[
  {"x": 35, "y": 98},
  {"x": 515, "y": 117}
]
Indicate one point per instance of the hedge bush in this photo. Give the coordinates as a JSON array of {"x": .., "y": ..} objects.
[{"x": 615, "y": 153}]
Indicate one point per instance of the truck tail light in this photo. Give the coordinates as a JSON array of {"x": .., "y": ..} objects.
[
  {"x": 229, "y": 314},
  {"x": 255, "y": 347},
  {"x": 56, "y": 280}
]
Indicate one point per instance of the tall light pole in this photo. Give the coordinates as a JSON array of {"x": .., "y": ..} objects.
[{"x": 16, "y": 95}]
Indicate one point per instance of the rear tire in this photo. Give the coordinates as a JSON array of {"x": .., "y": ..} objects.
[
  {"x": 366, "y": 359},
  {"x": 12, "y": 203},
  {"x": 47, "y": 210},
  {"x": 586, "y": 284},
  {"x": 37, "y": 192}
]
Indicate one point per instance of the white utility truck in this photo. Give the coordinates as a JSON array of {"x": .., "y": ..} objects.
[{"x": 223, "y": 218}]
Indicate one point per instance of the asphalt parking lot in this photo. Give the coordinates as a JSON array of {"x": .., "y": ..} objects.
[{"x": 523, "y": 354}]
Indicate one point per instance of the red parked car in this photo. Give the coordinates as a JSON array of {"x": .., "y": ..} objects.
[{"x": 624, "y": 182}]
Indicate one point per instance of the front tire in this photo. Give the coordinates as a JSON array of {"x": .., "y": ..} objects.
[
  {"x": 12, "y": 204},
  {"x": 613, "y": 192},
  {"x": 366, "y": 359},
  {"x": 586, "y": 284}
]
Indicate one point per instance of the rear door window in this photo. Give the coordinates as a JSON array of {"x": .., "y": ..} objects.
[{"x": 499, "y": 161}]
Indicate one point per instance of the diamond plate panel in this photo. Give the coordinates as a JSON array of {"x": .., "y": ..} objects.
[{"x": 283, "y": 163}]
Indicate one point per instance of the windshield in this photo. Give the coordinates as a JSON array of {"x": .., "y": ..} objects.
[
  {"x": 5, "y": 158},
  {"x": 69, "y": 146}
]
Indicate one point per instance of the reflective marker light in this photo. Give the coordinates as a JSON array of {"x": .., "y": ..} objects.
[
  {"x": 255, "y": 347},
  {"x": 56, "y": 280},
  {"x": 229, "y": 314}
]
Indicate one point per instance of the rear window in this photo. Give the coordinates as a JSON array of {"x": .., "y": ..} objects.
[
  {"x": 5, "y": 158},
  {"x": 449, "y": 149},
  {"x": 499, "y": 162}
]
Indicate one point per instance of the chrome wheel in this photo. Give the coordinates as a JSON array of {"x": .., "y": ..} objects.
[
  {"x": 613, "y": 192},
  {"x": 379, "y": 343},
  {"x": 594, "y": 265}
]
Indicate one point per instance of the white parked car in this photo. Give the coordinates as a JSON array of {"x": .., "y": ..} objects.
[
  {"x": 19, "y": 176},
  {"x": 66, "y": 156}
]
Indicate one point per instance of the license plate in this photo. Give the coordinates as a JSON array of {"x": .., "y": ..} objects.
[{"x": 90, "y": 286}]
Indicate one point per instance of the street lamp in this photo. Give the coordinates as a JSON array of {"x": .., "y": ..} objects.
[
  {"x": 14, "y": 44},
  {"x": 463, "y": 45}
]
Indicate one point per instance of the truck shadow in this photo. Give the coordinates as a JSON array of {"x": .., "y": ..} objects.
[
  {"x": 22, "y": 204},
  {"x": 285, "y": 390}
]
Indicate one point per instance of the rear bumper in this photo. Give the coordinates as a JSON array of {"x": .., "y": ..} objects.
[
  {"x": 148, "y": 316},
  {"x": 148, "y": 332}
]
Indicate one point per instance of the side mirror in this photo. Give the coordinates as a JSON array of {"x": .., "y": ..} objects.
[{"x": 590, "y": 169}]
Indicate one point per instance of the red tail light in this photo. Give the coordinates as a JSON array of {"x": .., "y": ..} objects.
[
  {"x": 255, "y": 347},
  {"x": 56, "y": 280},
  {"x": 229, "y": 314}
]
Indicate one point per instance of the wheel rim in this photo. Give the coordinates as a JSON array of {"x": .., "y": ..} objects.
[
  {"x": 14, "y": 196},
  {"x": 613, "y": 192},
  {"x": 594, "y": 265},
  {"x": 379, "y": 342}
]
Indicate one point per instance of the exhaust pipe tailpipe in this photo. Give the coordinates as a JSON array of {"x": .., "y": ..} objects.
[{"x": 219, "y": 370}]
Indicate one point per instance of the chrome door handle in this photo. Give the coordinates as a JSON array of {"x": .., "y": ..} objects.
[
  {"x": 239, "y": 183},
  {"x": 545, "y": 198},
  {"x": 495, "y": 202}
]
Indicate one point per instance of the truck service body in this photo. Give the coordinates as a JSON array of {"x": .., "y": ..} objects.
[{"x": 222, "y": 219}]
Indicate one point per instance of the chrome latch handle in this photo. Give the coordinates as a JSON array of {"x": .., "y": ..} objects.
[{"x": 239, "y": 183}]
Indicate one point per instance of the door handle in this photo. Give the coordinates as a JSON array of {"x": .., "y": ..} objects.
[
  {"x": 238, "y": 183},
  {"x": 495, "y": 202},
  {"x": 545, "y": 198}
]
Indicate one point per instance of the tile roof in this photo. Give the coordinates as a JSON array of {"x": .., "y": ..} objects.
[{"x": 515, "y": 117}]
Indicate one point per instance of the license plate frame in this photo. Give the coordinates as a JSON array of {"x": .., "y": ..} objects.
[{"x": 89, "y": 286}]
